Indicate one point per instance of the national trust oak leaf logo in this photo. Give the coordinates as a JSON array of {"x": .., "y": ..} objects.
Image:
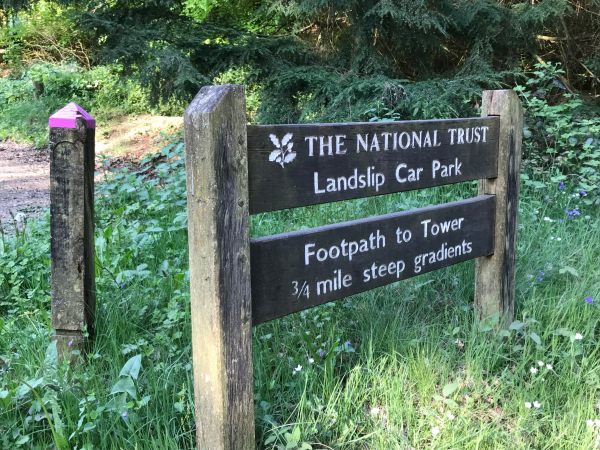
[{"x": 283, "y": 152}]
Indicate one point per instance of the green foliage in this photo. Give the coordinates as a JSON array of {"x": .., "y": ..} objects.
[
  {"x": 45, "y": 32},
  {"x": 383, "y": 369},
  {"x": 43, "y": 88},
  {"x": 561, "y": 134},
  {"x": 133, "y": 373},
  {"x": 21, "y": 291}
]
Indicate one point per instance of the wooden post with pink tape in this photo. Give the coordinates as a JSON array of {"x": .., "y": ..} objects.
[{"x": 72, "y": 134}]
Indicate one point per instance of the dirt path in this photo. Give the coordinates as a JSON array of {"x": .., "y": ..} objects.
[
  {"x": 24, "y": 180},
  {"x": 25, "y": 171}
]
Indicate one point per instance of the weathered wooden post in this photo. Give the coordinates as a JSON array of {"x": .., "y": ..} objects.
[
  {"x": 72, "y": 132},
  {"x": 495, "y": 274},
  {"x": 218, "y": 230}
]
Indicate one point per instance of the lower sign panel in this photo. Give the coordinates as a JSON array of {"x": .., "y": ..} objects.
[{"x": 299, "y": 270}]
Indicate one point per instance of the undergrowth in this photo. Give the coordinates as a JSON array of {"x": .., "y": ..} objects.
[
  {"x": 31, "y": 96},
  {"x": 404, "y": 366}
]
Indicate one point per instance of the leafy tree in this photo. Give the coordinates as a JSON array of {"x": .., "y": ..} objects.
[{"x": 341, "y": 59}]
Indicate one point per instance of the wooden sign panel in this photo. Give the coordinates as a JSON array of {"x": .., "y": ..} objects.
[
  {"x": 298, "y": 165},
  {"x": 295, "y": 271}
]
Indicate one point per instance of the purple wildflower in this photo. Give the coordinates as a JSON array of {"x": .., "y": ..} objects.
[
  {"x": 321, "y": 353},
  {"x": 540, "y": 276},
  {"x": 561, "y": 186},
  {"x": 572, "y": 213},
  {"x": 589, "y": 300},
  {"x": 583, "y": 193},
  {"x": 70, "y": 343},
  {"x": 124, "y": 415}
]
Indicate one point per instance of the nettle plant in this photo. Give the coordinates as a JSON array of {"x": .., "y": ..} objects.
[{"x": 561, "y": 134}]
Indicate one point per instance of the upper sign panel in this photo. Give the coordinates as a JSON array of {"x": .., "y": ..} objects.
[{"x": 299, "y": 165}]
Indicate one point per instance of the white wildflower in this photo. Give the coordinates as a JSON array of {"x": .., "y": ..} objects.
[
  {"x": 374, "y": 411},
  {"x": 589, "y": 423},
  {"x": 533, "y": 370},
  {"x": 549, "y": 366},
  {"x": 540, "y": 363},
  {"x": 578, "y": 336},
  {"x": 528, "y": 405},
  {"x": 435, "y": 431},
  {"x": 537, "y": 404}
]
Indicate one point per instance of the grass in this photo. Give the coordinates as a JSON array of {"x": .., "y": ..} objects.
[{"x": 404, "y": 366}]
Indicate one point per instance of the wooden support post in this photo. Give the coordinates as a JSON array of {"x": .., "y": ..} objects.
[
  {"x": 72, "y": 132},
  {"x": 495, "y": 274},
  {"x": 219, "y": 245}
]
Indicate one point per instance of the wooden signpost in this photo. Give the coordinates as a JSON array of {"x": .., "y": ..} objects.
[{"x": 234, "y": 170}]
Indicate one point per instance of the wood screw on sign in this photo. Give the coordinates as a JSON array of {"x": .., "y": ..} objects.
[
  {"x": 72, "y": 132},
  {"x": 234, "y": 170}
]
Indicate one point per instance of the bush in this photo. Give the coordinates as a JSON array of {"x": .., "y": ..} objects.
[
  {"x": 43, "y": 32},
  {"x": 561, "y": 133},
  {"x": 43, "y": 88}
]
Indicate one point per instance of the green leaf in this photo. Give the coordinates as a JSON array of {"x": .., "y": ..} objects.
[
  {"x": 503, "y": 334},
  {"x": 89, "y": 426},
  {"x": 293, "y": 438},
  {"x": 118, "y": 403},
  {"x": 450, "y": 389},
  {"x": 451, "y": 403},
  {"x": 271, "y": 439},
  {"x": 132, "y": 367},
  {"x": 59, "y": 427},
  {"x": 51, "y": 357},
  {"x": 22, "y": 440},
  {"x": 516, "y": 325},
  {"x": 125, "y": 385},
  {"x": 535, "y": 338},
  {"x": 26, "y": 387},
  {"x": 570, "y": 270},
  {"x": 144, "y": 401}
]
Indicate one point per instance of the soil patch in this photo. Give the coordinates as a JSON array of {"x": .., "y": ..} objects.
[{"x": 134, "y": 137}]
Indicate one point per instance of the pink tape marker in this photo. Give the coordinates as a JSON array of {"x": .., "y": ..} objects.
[{"x": 67, "y": 117}]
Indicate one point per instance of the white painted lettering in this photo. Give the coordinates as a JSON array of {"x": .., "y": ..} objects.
[
  {"x": 339, "y": 144},
  {"x": 311, "y": 140}
]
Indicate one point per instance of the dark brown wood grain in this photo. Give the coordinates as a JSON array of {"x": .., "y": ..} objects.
[
  {"x": 219, "y": 252},
  {"x": 276, "y": 184},
  {"x": 495, "y": 274},
  {"x": 281, "y": 275},
  {"x": 72, "y": 235}
]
